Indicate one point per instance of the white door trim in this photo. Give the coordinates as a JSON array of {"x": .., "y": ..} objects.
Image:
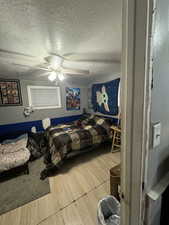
[{"x": 135, "y": 97}]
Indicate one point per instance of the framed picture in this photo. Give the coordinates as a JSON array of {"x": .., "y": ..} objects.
[
  {"x": 10, "y": 93},
  {"x": 72, "y": 98}
]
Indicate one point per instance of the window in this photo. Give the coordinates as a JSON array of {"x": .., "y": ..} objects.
[{"x": 44, "y": 97}]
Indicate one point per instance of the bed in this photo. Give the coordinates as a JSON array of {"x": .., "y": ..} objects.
[{"x": 66, "y": 140}]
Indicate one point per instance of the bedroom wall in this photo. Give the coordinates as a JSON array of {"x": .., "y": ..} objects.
[
  {"x": 12, "y": 118},
  {"x": 158, "y": 164},
  {"x": 12, "y": 114}
]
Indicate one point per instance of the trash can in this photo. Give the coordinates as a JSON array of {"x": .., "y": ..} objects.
[{"x": 108, "y": 212}]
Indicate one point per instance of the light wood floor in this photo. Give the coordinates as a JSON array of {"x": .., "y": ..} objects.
[{"x": 74, "y": 196}]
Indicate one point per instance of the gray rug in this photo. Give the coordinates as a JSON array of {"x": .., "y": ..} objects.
[{"x": 23, "y": 188}]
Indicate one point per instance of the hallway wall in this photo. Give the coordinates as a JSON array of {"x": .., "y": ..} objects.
[{"x": 159, "y": 157}]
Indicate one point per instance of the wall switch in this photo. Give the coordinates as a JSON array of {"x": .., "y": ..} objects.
[{"x": 156, "y": 134}]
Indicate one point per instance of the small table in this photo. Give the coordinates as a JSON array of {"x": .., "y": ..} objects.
[
  {"x": 115, "y": 181},
  {"x": 116, "y": 138}
]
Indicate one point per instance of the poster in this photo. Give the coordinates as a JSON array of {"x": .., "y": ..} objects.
[
  {"x": 10, "y": 93},
  {"x": 72, "y": 98}
]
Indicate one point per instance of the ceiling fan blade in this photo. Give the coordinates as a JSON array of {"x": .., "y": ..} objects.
[
  {"x": 44, "y": 74},
  {"x": 29, "y": 66},
  {"x": 6, "y": 55},
  {"x": 43, "y": 68},
  {"x": 75, "y": 71},
  {"x": 17, "y": 64},
  {"x": 7, "y": 52},
  {"x": 21, "y": 65}
]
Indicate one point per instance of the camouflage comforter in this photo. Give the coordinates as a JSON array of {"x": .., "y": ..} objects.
[{"x": 63, "y": 139}]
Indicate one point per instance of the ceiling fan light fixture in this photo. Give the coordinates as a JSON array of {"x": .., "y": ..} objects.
[
  {"x": 52, "y": 76},
  {"x": 61, "y": 77},
  {"x": 55, "y": 61}
]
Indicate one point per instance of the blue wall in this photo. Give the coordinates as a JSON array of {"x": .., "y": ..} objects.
[{"x": 16, "y": 129}]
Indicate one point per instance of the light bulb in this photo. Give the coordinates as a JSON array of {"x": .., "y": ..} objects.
[
  {"x": 52, "y": 76},
  {"x": 61, "y": 76}
]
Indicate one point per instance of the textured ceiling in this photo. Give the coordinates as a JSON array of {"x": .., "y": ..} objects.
[{"x": 79, "y": 30}]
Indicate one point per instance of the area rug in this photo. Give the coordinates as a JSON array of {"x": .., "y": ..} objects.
[{"x": 24, "y": 188}]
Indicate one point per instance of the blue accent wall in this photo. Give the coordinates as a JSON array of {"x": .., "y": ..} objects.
[{"x": 16, "y": 129}]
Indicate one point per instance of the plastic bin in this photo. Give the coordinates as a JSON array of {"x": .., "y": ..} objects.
[{"x": 108, "y": 212}]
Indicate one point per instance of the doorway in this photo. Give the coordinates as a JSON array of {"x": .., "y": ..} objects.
[{"x": 136, "y": 99}]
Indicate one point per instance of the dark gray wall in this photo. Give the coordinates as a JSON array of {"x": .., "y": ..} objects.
[
  {"x": 159, "y": 158},
  {"x": 14, "y": 114}
]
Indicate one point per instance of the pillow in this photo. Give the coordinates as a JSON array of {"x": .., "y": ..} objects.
[
  {"x": 103, "y": 122},
  {"x": 88, "y": 121},
  {"x": 9, "y": 141}
]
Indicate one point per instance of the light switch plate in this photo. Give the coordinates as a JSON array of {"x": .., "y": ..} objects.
[{"x": 156, "y": 134}]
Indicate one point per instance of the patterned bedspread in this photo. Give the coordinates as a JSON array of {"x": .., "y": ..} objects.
[{"x": 63, "y": 139}]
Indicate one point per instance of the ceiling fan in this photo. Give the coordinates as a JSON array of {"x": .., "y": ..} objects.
[
  {"x": 53, "y": 64},
  {"x": 55, "y": 69}
]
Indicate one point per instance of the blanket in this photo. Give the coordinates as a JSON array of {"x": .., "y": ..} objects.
[
  {"x": 63, "y": 139},
  {"x": 13, "y": 154}
]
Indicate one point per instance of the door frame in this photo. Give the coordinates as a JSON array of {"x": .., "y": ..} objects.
[{"x": 136, "y": 81}]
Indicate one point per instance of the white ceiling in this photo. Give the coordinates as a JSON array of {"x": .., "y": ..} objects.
[{"x": 87, "y": 32}]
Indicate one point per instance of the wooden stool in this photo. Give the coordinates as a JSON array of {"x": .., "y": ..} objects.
[
  {"x": 116, "y": 138},
  {"x": 115, "y": 181}
]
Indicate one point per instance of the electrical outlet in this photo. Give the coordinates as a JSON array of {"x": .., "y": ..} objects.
[{"x": 156, "y": 134}]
